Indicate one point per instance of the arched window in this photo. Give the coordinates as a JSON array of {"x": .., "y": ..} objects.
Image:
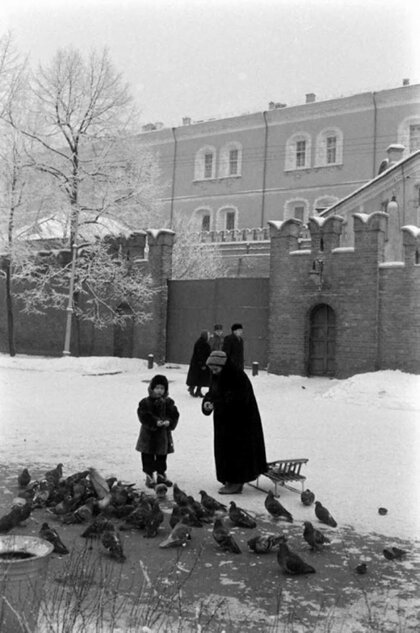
[
  {"x": 227, "y": 218},
  {"x": 297, "y": 208},
  {"x": 230, "y": 160},
  {"x": 202, "y": 219},
  {"x": 329, "y": 147},
  {"x": 205, "y": 163},
  {"x": 298, "y": 151},
  {"x": 409, "y": 134},
  {"x": 324, "y": 202}
]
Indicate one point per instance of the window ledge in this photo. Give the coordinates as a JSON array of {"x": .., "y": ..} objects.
[
  {"x": 299, "y": 169},
  {"x": 322, "y": 165},
  {"x": 230, "y": 177},
  {"x": 212, "y": 179}
]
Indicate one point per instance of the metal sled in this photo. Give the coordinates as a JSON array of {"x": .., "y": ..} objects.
[{"x": 282, "y": 472}]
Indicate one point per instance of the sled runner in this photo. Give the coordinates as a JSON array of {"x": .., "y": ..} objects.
[{"x": 282, "y": 472}]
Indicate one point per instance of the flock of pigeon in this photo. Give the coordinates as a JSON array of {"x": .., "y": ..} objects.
[{"x": 88, "y": 499}]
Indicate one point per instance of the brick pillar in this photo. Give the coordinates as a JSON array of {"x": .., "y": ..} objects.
[
  {"x": 369, "y": 235},
  {"x": 411, "y": 245},
  {"x": 160, "y": 242},
  {"x": 136, "y": 243}
]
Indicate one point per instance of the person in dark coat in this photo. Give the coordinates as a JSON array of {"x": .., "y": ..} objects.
[
  {"x": 233, "y": 346},
  {"x": 158, "y": 416},
  {"x": 217, "y": 338},
  {"x": 239, "y": 448},
  {"x": 198, "y": 373}
]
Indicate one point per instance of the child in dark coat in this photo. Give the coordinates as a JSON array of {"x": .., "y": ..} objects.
[{"x": 158, "y": 416}]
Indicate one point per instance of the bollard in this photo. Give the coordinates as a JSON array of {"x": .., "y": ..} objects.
[
  {"x": 255, "y": 368},
  {"x": 23, "y": 567},
  {"x": 150, "y": 361}
]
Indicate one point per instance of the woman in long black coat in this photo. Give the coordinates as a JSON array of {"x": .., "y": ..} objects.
[
  {"x": 239, "y": 448},
  {"x": 198, "y": 373}
]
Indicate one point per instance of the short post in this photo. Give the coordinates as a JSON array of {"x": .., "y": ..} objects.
[
  {"x": 150, "y": 359},
  {"x": 255, "y": 368}
]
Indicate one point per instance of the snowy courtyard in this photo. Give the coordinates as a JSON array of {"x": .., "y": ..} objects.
[{"x": 360, "y": 435}]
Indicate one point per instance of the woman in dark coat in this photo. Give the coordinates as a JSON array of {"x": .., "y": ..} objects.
[
  {"x": 198, "y": 373},
  {"x": 239, "y": 448}
]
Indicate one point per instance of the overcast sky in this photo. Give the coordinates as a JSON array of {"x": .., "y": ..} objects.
[{"x": 212, "y": 58}]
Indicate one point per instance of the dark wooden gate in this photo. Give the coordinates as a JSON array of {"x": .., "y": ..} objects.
[
  {"x": 322, "y": 341},
  {"x": 197, "y": 305}
]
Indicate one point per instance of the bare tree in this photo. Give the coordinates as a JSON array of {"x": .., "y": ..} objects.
[
  {"x": 79, "y": 139},
  {"x": 13, "y": 167},
  {"x": 191, "y": 258}
]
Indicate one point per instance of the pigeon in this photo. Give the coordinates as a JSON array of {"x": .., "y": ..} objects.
[
  {"x": 323, "y": 515},
  {"x": 82, "y": 514},
  {"x": 224, "y": 538},
  {"x": 161, "y": 491},
  {"x": 51, "y": 535},
  {"x": 276, "y": 509},
  {"x": 361, "y": 569},
  {"x": 111, "y": 540},
  {"x": 24, "y": 478},
  {"x": 199, "y": 510},
  {"x": 53, "y": 476},
  {"x": 307, "y": 497},
  {"x": 240, "y": 517},
  {"x": 153, "y": 520},
  {"x": 138, "y": 518},
  {"x": 262, "y": 544},
  {"x": 398, "y": 553},
  {"x": 95, "y": 529},
  {"x": 186, "y": 514},
  {"x": 178, "y": 537},
  {"x": 180, "y": 497},
  {"x": 315, "y": 538},
  {"x": 10, "y": 520},
  {"x": 211, "y": 504},
  {"x": 394, "y": 553},
  {"x": 290, "y": 562}
]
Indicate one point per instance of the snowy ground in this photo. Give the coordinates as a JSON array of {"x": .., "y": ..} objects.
[{"x": 361, "y": 435}]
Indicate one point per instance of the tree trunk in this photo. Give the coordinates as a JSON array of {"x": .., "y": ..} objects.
[{"x": 10, "y": 315}]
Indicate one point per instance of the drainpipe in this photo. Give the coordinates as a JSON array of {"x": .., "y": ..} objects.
[
  {"x": 264, "y": 169},
  {"x": 375, "y": 132},
  {"x": 171, "y": 213}
]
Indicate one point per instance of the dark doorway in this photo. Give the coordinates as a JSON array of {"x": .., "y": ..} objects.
[
  {"x": 322, "y": 341},
  {"x": 123, "y": 334}
]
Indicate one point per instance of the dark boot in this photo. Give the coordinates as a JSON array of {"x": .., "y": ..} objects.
[
  {"x": 231, "y": 489},
  {"x": 150, "y": 482},
  {"x": 191, "y": 391},
  {"x": 162, "y": 479},
  {"x": 198, "y": 393}
]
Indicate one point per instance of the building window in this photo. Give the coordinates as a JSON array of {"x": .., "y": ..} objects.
[
  {"x": 226, "y": 219},
  {"x": 230, "y": 161},
  {"x": 205, "y": 223},
  {"x": 414, "y": 138},
  {"x": 296, "y": 208},
  {"x": 298, "y": 152},
  {"x": 299, "y": 212},
  {"x": 230, "y": 220},
  {"x": 233, "y": 162},
  {"x": 323, "y": 203},
  {"x": 205, "y": 164},
  {"x": 329, "y": 148},
  {"x": 409, "y": 134},
  {"x": 208, "y": 165}
]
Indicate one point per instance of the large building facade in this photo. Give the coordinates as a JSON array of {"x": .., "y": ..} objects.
[{"x": 286, "y": 162}]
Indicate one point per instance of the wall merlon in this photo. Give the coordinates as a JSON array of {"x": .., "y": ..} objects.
[{"x": 160, "y": 237}]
